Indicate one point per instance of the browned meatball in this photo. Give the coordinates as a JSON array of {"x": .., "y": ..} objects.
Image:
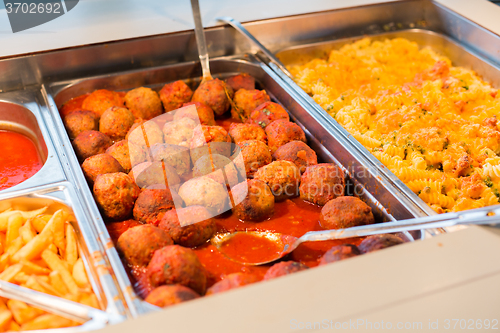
[
  {"x": 144, "y": 103},
  {"x": 210, "y": 139},
  {"x": 138, "y": 244},
  {"x": 282, "y": 177},
  {"x": 255, "y": 154},
  {"x": 254, "y": 201},
  {"x": 203, "y": 115},
  {"x": 218, "y": 167},
  {"x": 175, "y": 264},
  {"x": 115, "y": 194},
  {"x": 176, "y": 156},
  {"x": 232, "y": 281},
  {"x": 115, "y": 122},
  {"x": 241, "y": 81},
  {"x": 90, "y": 143},
  {"x": 246, "y": 101},
  {"x": 190, "y": 226},
  {"x": 174, "y": 94},
  {"x": 280, "y": 132},
  {"x": 168, "y": 295},
  {"x": 99, "y": 164},
  {"x": 179, "y": 131},
  {"x": 297, "y": 152},
  {"x": 147, "y": 174},
  {"x": 284, "y": 268},
  {"x": 206, "y": 192},
  {"x": 339, "y": 252},
  {"x": 128, "y": 154},
  {"x": 345, "y": 212},
  {"x": 242, "y": 132},
  {"x": 153, "y": 134},
  {"x": 151, "y": 205},
  {"x": 266, "y": 113},
  {"x": 213, "y": 94},
  {"x": 379, "y": 242},
  {"x": 101, "y": 100},
  {"x": 79, "y": 121},
  {"x": 322, "y": 183}
]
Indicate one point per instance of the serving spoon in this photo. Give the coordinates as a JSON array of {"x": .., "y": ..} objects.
[
  {"x": 279, "y": 245},
  {"x": 200, "y": 42}
]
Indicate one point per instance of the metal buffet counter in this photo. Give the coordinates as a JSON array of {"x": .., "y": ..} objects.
[{"x": 34, "y": 87}]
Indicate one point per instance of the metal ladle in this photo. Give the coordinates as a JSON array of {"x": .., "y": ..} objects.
[
  {"x": 287, "y": 243},
  {"x": 200, "y": 41}
]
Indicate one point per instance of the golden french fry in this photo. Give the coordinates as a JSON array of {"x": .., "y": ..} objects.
[
  {"x": 10, "y": 272},
  {"x": 71, "y": 254},
  {"x": 41, "y": 241},
  {"x": 22, "y": 312},
  {"x": 43, "y": 283},
  {"x": 32, "y": 268},
  {"x": 46, "y": 321},
  {"x": 56, "y": 264},
  {"x": 52, "y": 248},
  {"x": 90, "y": 300},
  {"x": 57, "y": 282},
  {"x": 27, "y": 232},
  {"x": 14, "y": 327},
  {"x": 39, "y": 223},
  {"x": 15, "y": 246},
  {"x": 59, "y": 231},
  {"x": 4, "y": 216},
  {"x": 5, "y": 319},
  {"x": 80, "y": 275},
  {"x": 15, "y": 221},
  {"x": 3, "y": 305},
  {"x": 20, "y": 278},
  {"x": 32, "y": 283},
  {"x": 4, "y": 261}
]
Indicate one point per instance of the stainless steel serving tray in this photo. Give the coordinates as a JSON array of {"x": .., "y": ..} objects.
[
  {"x": 64, "y": 195},
  {"x": 459, "y": 55},
  {"x": 329, "y": 149}
]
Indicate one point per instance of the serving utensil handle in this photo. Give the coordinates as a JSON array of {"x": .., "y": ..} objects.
[{"x": 200, "y": 41}]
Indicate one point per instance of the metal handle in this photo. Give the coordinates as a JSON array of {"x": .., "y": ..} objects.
[
  {"x": 239, "y": 27},
  {"x": 486, "y": 215},
  {"x": 200, "y": 41}
]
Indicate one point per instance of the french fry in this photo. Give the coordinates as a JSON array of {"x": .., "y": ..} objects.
[
  {"x": 4, "y": 216},
  {"x": 21, "y": 312},
  {"x": 89, "y": 300},
  {"x": 32, "y": 268},
  {"x": 57, "y": 282},
  {"x": 21, "y": 278},
  {"x": 59, "y": 232},
  {"x": 5, "y": 319},
  {"x": 56, "y": 264},
  {"x": 32, "y": 283},
  {"x": 44, "y": 283},
  {"x": 71, "y": 254},
  {"x": 4, "y": 261},
  {"x": 52, "y": 248},
  {"x": 15, "y": 246},
  {"x": 39, "y": 222},
  {"x": 27, "y": 232},
  {"x": 14, "y": 327},
  {"x": 46, "y": 321},
  {"x": 10, "y": 272},
  {"x": 41, "y": 241},
  {"x": 3, "y": 305},
  {"x": 80, "y": 275},
  {"x": 15, "y": 222}
]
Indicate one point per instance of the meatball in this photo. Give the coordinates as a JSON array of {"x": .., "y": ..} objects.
[
  {"x": 298, "y": 153},
  {"x": 266, "y": 113},
  {"x": 255, "y": 154},
  {"x": 90, "y": 143},
  {"x": 217, "y": 167},
  {"x": 379, "y": 242},
  {"x": 232, "y": 281},
  {"x": 147, "y": 174},
  {"x": 345, "y": 212},
  {"x": 339, "y": 252},
  {"x": 138, "y": 244},
  {"x": 254, "y": 201},
  {"x": 202, "y": 115},
  {"x": 175, "y": 264},
  {"x": 209, "y": 139},
  {"x": 242, "y": 132},
  {"x": 115, "y": 194},
  {"x": 176, "y": 156},
  {"x": 101, "y": 100},
  {"x": 115, "y": 122},
  {"x": 100, "y": 164},
  {"x": 144, "y": 103},
  {"x": 246, "y": 101},
  {"x": 190, "y": 226},
  {"x": 79, "y": 121},
  {"x": 280, "y": 132},
  {"x": 206, "y": 192},
  {"x": 284, "y": 268},
  {"x": 179, "y": 132},
  {"x": 241, "y": 81},
  {"x": 174, "y": 94},
  {"x": 151, "y": 205},
  {"x": 167, "y": 295},
  {"x": 322, "y": 183},
  {"x": 127, "y": 154},
  {"x": 282, "y": 177},
  {"x": 214, "y": 94},
  {"x": 153, "y": 132}
]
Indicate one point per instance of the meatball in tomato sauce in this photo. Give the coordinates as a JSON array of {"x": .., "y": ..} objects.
[{"x": 345, "y": 212}]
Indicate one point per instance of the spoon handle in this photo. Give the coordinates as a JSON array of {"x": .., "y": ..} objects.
[
  {"x": 200, "y": 41},
  {"x": 486, "y": 215}
]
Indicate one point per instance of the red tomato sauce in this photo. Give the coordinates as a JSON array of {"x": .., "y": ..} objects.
[
  {"x": 72, "y": 105},
  {"x": 19, "y": 159},
  {"x": 251, "y": 248}
]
